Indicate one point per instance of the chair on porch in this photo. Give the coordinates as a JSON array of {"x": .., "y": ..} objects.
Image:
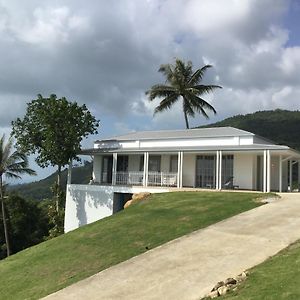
[{"x": 228, "y": 185}]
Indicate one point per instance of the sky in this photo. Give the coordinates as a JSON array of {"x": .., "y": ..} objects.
[{"x": 106, "y": 54}]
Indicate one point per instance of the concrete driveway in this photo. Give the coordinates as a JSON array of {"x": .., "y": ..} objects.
[{"x": 188, "y": 267}]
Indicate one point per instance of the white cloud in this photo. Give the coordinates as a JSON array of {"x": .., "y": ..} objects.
[{"x": 106, "y": 54}]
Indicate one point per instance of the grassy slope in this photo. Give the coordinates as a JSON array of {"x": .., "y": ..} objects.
[
  {"x": 277, "y": 278},
  {"x": 54, "y": 264}
]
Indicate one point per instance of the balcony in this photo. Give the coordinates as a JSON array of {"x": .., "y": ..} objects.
[{"x": 154, "y": 178}]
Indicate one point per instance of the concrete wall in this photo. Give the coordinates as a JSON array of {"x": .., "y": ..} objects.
[{"x": 88, "y": 203}]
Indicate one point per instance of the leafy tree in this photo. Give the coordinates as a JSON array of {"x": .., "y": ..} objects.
[
  {"x": 53, "y": 129},
  {"x": 182, "y": 83},
  {"x": 28, "y": 223},
  {"x": 12, "y": 165}
]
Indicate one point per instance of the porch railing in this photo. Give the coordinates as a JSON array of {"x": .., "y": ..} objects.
[
  {"x": 154, "y": 178},
  {"x": 162, "y": 178},
  {"x": 129, "y": 178}
]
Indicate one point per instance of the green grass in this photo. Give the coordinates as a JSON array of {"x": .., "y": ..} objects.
[
  {"x": 52, "y": 265},
  {"x": 277, "y": 278}
]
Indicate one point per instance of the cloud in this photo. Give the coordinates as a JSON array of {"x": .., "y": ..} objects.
[{"x": 106, "y": 54}]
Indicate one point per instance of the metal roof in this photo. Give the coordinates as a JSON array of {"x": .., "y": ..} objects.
[
  {"x": 255, "y": 147},
  {"x": 180, "y": 134}
]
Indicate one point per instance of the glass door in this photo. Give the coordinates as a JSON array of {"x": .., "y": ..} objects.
[
  {"x": 107, "y": 162},
  {"x": 206, "y": 171}
]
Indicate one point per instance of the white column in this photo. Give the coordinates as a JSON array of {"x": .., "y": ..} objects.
[
  {"x": 181, "y": 168},
  {"x": 146, "y": 162},
  {"x": 280, "y": 174},
  {"x": 291, "y": 175},
  {"x": 265, "y": 172},
  {"x": 114, "y": 168},
  {"x": 178, "y": 169},
  {"x": 220, "y": 170},
  {"x": 268, "y": 171},
  {"x": 70, "y": 172},
  {"x": 217, "y": 170}
]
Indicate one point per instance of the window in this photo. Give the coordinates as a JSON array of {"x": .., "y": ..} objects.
[
  {"x": 174, "y": 163},
  {"x": 227, "y": 168},
  {"x": 206, "y": 171},
  {"x": 154, "y": 163},
  {"x": 122, "y": 163}
]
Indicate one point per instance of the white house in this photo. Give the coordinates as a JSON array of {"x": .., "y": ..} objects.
[{"x": 160, "y": 161}]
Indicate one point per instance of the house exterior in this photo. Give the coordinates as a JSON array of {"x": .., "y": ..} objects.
[{"x": 161, "y": 161}]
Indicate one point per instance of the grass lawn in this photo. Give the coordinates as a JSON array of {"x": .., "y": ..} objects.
[
  {"x": 52, "y": 265},
  {"x": 277, "y": 278}
]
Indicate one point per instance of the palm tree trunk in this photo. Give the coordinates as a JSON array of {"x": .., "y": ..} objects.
[
  {"x": 4, "y": 218},
  {"x": 186, "y": 120}
]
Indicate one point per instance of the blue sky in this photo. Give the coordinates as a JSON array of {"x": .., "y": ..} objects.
[{"x": 106, "y": 54}]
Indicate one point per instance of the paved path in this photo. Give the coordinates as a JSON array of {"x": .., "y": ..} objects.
[{"x": 188, "y": 267}]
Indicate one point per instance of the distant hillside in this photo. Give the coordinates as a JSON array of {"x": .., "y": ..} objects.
[
  {"x": 281, "y": 126},
  {"x": 40, "y": 190}
]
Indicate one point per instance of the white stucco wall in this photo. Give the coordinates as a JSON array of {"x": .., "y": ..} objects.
[
  {"x": 243, "y": 168},
  {"x": 89, "y": 203},
  {"x": 97, "y": 166},
  {"x": 189, "y": 170}
]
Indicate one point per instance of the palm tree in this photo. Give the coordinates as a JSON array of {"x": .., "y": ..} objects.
[
  {"x": 12, "y": 165},
  {"x": 183, "y": 83}
]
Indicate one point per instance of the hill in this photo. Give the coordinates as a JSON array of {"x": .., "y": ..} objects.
[
  {"x": 280, "y": 126},
  {"x": 59, "y": 262},
  {"x": 39, "y": 190}
]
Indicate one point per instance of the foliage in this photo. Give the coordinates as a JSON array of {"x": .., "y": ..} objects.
[
  {"x": 281, "y": 126},
  {"x": 12, "y": 165},
  {"x": 61, "y": 261},
  {"x": 27, "y": 224},
  {"x": 53, "y": 128},
  {"x": 185, "y": 84},
  {"x": 41, "y": 189}
]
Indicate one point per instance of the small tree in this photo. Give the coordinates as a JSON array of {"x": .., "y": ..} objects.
[
  {"x": 12, "y": 165},
  {"x": 53, "y": 129}
]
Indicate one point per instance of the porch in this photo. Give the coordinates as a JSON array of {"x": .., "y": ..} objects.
[{"x": 263, "y": 170}]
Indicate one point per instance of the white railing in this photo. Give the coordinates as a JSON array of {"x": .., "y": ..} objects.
[
  {"x": 162, "y": 178},
  {"x": 129, "y": 178},
  {"x": 154, "y": 178}
]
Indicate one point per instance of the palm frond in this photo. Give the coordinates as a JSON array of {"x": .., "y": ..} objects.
[
  {"x": 205, "y": 89},
  {"x": 166, "y": 103},
  {"x": 198, "y": 75},
  {"x": 13, "y": 164},
  {"x": 167, "y": 70},
  {"x": 12, "y": 175},
  {"x": 187, "y": 107},
  {"x": 200, "y": 105},
  {"x": 160, "y": 90}
]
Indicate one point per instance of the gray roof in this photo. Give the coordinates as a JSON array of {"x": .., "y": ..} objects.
[
  {"x": 257, "y": 147},
  {"x": 187, "y": 133}
]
